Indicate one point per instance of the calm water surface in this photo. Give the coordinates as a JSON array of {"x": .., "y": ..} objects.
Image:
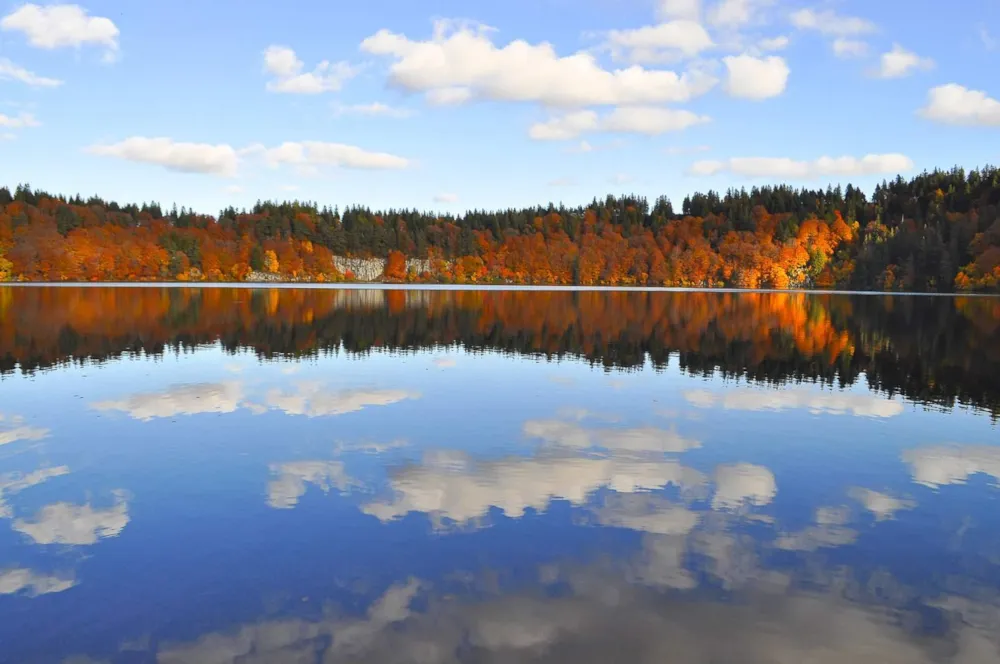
[{"x": 300, "y": 476}]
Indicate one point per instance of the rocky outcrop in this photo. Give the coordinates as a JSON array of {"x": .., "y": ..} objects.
[{"x": 363, "y": 269}]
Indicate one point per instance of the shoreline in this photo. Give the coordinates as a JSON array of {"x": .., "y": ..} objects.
[{"x": 464, "y": 287}]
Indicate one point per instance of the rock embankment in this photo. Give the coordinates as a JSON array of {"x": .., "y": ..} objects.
[{"x": 363, "y": 269}]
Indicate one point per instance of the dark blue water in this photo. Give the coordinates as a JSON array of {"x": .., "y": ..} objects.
[{"x": 321, "y": 477}]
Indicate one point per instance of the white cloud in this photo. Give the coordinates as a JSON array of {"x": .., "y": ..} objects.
[
  {"x": 779, "y": 43},
  {"x": 832, "y": 403},
  {"x": 882, "y": 505},
  {"x": 451, "y": 96},
  {"x": 621, "y": 178},
  {"x": 942, "y": 465},
  {"x": 899, "y": 62},
  {"x": 829, "y": 22},
  {"x": 849, "y": 48},
  {"x": 679, "y": 9},
  {"x": 821, "y": 536},
  {"x": 21, "y": 121},
  {"x": 13, "y": 429},
  {"x": 57, "y": 26},
  {"x": 284, "y": 491},
  {"x": 375, "y": 109},
  {"x": 282, "y": 63},
  {"x": 646, "y": 512},
  {"x": 732, "y": 13},
  {"x": 459, "y": 488},
  {"x": 317, "y": 153},
  {"x": 989, "y": 43},
  {"x": 446, "y": 198},
  {"x": 13, "y": 581},
  {"x": 12, "y": 483},
  {"x": 778, "y": 167},
  {"x": 682, "y": 149},
  {"x": 193, "y": 399},
  {"x": 462, "y": 57},
  {"x": 11, "y": 72},
  {"x": 956, "y": 105},
  {"x": 647, "y": 120},
  {"x": 665, "y": 42},
  {"x": 562, "y": 182},
  {"x": 755, "y": 78},
  {"x": 233, "y": 189},
  {"x": 66, "y": 523},
  {"x": 565, "y": 127},
  {"x": 571, "y": 435},
  {"x": 313, "y": 400},
  {"x": 182, "y": 157},
  {"x": 742, "y": 483}
]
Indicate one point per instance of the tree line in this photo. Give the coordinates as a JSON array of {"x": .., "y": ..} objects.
[
  {"x": 942, "y": 351},
  {"x": 938, "y": 232}
]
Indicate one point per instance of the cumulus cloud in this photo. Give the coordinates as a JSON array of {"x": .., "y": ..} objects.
[
  {"x": 461, "y": 59},
  {"x": 289, "y": 77},
  {"x": 455, "y": 486},
  {"x": 13, "y": 483},
  {"x": 952, "y": 464},
  {"x": 284, "y": 491},
  {"x": 313, "y": 399},
  {"x": 602, "y": 616},
  {"x": 882, "y": 505},
  {"x": 450, "y": 96},
  {"x": 779, "y": 43},
  {"x": 217, "y": 159},
  {"x": 647, "y": 120},
  {"x": 12, "y": 72},
  {"x": 446, "y": 198},
  {"x": 665, "y": 42},
  {"x": 750, "y": 77},
  {"x": 647, "y": 513},
  {"x": 741, "y": 484},
  {"x": 679, "y": 9},
  {"x": 317, "y": 153},
  {"x": 571, "y": 435},
  {"x": 295, "y": 640},
  {"x": 957, "y": 105},
  {"x": 734, "y": 13},
  {"x": 830, "y": 403},
  {"x": 177, "y": 400},
  {"x": 780, "y": 167},
  {"x": 58, "y": 26},
  {"x": 900, "y": 62},
  {"x": 66, "y": 523},
  {"x": 20, "y": 121},
  {"x": 13, "y": 581},
  {"x": 849, "y": 48},
  {"x": 374, "y": 109},
  {"x": 13, "y": 429},
  {"x": 828, "y": 532},
  {"x": 830, "y": 23}
]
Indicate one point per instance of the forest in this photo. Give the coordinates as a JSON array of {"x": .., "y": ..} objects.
[
  {"x": 936, "y": 232},
  {"x": 934, "y": 351}
]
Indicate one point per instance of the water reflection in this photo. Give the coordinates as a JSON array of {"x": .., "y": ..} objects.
[{"x": 403, "y": 477}]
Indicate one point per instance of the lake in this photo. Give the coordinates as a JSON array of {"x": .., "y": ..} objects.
[{"x": 362, "y": 475}]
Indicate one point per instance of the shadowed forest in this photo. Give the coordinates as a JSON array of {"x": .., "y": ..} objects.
[
  {"x": 937, "y": 232},
  {"x": 942, "y": 351}
]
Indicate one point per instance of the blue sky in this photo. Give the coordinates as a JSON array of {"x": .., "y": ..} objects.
[{"x": 449, "y": 105}]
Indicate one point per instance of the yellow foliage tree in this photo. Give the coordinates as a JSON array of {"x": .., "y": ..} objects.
[
  {"x": 6, "y": 267},
  {"x": 271, "y": 261}
]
